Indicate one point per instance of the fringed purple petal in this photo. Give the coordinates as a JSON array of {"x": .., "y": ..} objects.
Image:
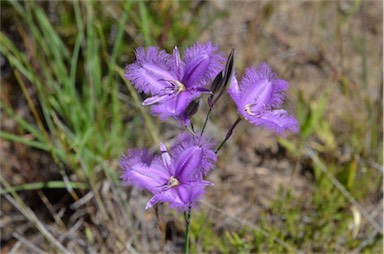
[
  {"x": 174, "y": 107},
  {"x": 187, "y": 164},
  {"x": 186, "y": 141},
  {"x": 189, "y": 196},
  {"x": 261, "y": 87},
  {"x": 158, "y": 98},
  {"x": 159, "y": 197},
  {"x": 177, "y": 64},
  {"x": 143, "y": 170},
  {"x": 203, "y": 63},
  {"x": 277, "y": 121},
  {"x": 180, "y": 198},
  {"x": 167, "y": 159},
  {"x": 150, "y": 70}
]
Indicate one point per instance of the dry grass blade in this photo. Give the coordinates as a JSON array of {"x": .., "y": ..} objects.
[
  {"x": 366, "y": 242},
  {"x": 72, "y": 230},
  {"x": 15, "y": 247},
  {"x": 152, "y": 130},
  {"x": 31, "y": 216},
  {"x": 27, "y": 243}
]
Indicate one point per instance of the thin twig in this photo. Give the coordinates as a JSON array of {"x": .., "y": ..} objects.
[
  {"x": 376, "y": 165},
  {"x": 52, "y": 210},
  {"x": 15, "y": 248},
  {"x": 31, "y": 216},
  {"x": 72, "y": 230},
  {"x": 366, "y": 242},
  {"x": 27, "y": 243},
  {"x": 83, "y": 200}
]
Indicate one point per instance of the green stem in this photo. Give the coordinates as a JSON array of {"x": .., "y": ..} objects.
[
  {"x": 229, "y": 133},
  {"x": 187, "y": 217},
  {"x": 206, "y": 120}
]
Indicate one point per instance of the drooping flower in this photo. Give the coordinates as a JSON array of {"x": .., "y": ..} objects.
[
  {"x": 174, "y": 82},
  {"x": 175, "y": 178},
  {"x": 258, "y": 95}
]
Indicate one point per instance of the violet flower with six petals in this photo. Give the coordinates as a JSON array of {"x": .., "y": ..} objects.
[
  {"x": 176, "y": 179},
  {"x": 173, "y": 82},
  {"x": 258, "y": 95}
]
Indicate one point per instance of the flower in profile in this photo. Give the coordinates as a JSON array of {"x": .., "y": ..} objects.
[
  {"x": 175, "y": 177},
  {"x": 174, "y": 82},
  {"x": 258, "y": 95}
]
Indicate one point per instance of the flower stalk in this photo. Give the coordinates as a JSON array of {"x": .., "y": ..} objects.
[
  {"x": 187, "y": 217},
  {"x": 206, "y": 121},
  {"x": 229, "y": 134}
]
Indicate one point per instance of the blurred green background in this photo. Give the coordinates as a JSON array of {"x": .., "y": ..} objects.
[{"x": 67, "y": 115}]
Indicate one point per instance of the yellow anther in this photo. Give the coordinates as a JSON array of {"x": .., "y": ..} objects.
[
  {"x": 180, "y": 86},
  {"x": 172, "y": 182},
  {"x": 248, "y": 110}
]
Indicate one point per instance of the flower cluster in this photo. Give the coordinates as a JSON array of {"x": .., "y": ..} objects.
[{"x": 174, "y": 85}]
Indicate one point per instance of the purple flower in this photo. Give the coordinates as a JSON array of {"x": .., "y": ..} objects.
[
  {"x": 173, "y": 82},
  {"x": 260, "y": 91},
  {"x": 177, "y": 180}
]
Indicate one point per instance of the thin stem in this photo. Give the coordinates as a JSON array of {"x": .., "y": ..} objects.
[
  {"x": 206, "y": 120},
  {"x": 191, "y": 129},
  {"x": 187, "y": 217},
  {"x": 218, "y": 97},
  {"x": 161, "y": 227},
  {"x": 230, "y": 131}
]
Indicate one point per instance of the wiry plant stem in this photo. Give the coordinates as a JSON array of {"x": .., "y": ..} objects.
[
  {"x": 187, "y": 217},
  {"x": 206, "y": 121},
  {"x": 229, "y": 133}
]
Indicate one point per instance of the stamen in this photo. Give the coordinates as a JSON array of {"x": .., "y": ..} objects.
[
  {"x": 169, "y": 92},
  {"x": 176, "y": 85},
  {"x": 172, "y": 182},
  {"x": 248, "y": 109},
  {"x": 248, "y": 106},
  {"x": 180, "y": 86}
]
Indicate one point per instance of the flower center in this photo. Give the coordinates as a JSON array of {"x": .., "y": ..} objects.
[
  {"x": 172, "y": 182},
  {"x": 178, "y": 86},
  {"x": 169, "y": 92},
  {"x": 248, "y": 109}
]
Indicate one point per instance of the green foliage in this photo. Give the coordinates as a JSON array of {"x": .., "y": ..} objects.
[
  {"x": 290, "y": 224},
  {"x": 74, "y": 126},
  {"x": 75, "y": 70},
  {"x": 311, "y": 116},
  {"x": 203, "y": 238}
]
